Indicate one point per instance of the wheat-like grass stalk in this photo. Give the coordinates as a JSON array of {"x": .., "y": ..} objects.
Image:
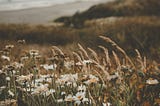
[
  {"x": 106, "y": 55},
  {"x": 139, "y": 57},
  {"x": 83, "y": 50},
  {"x": 58, "y": 50},
  {"x": 145, "y": 62},
  {"x": 118, "y": 63},
  {"x": 102, "y": 68},
  {"x": 100, "y": 76},
  {"x": 53, "y": 52},
  {"x": 77, "y": 56},
  {"x": 81, "y": 55},
  {"x": 95, "y": 56},
  {"x": 141, "y": 60},
  {"x": 107, "y": 39},
  {"x": 138, "y": 54}
]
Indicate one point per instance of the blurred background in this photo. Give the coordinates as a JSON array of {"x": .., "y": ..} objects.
[{"x": 132, "y": 24}]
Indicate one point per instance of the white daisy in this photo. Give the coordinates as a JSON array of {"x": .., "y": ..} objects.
[
  {"x": 10, "y": 93},
  {"x": 8, "y": 78},
  {"x": 152, "y": 81},
  {"x": 69, "y": 98},
  {"x": 81, "y": 88}
]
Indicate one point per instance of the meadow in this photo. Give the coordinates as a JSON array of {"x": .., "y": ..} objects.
[
  {"x": 140, "y": 32},
  {"x": 80, "y": 78},
  {"x": 108, "y": 55}
]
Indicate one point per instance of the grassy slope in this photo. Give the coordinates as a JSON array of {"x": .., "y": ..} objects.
[
  {"x": 130, "y": 33},
  {"x": 139, "y": 31},
  {"x": 116, "y": 8},
  {"x": 36, "y": 34}
]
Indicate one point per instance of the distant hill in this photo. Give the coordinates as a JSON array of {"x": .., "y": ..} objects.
[{"x": 116, "y": 8}]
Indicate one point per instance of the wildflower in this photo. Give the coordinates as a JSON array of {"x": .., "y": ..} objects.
[
  {"x": 112, "y": 77},
  {"x": 69, "y": 83},
  {"x": 37, "y": 57},
  {"x": 92, "y": 79},
  {"x": 79, "y": 64},
  {"x": 151, "y": 81},
  {"x": 69, "y": 98},
  {"x": 60, "y": 100},
  {"x": 85, "y": 62},
  {"x": 61, "y": 81},
  {"x": 23, "y": 58},
  {"x": 23, "y": 78},
  {"x": 34, "y": 52},
  {"x": 63, "y": 93},
  {"x": 49, "y": 67},
  {"x": 28, "y": 89},
  {"x": 81, "y": 88},
  {"x": 35, "y": 92},
  {"x": 80, "y": 98},
  {"x": 5, "y": 57},
  {"x": 69, "y": 64},
  {"x": 9, "y": 46},
  {"x": 41, "y": 89},
  {"x": 17, "y": 65},
  {"x": 2, "y": 88},
  {"x": 126, "y": 68},
  {"x": 106, "y": 104},
  {"x": 1, "y": 71},
  {"x": 51, "y": 91},
  {"x": 8, "y": 78},
  {"x": 10, "y": 93},
  {"x": 74, "y": 84},
  {"x": 14, "y": 72},
  {"x": 8, "y": 102},
  {"x": 67, "y": 79}
]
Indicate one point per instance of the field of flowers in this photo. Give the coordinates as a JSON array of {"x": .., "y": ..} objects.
[{"x": 81, "y": 78}]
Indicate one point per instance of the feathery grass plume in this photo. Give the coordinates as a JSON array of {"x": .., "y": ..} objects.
[
  {"x": 118, "y": 48},
  {"x": 104, "y": 61},
  {"x": 139, "y": 57},
  {"x": 102, "y": 68},
  {"x": 100, "y": 76},
  {"x": 118, "y": 63},
  {"x": 106, "y": 55},
  {"x": 83, "y": 50},
  {"x": 94, "y": 54},
  {"x": 77, "y": 56},
  {"x": 141, "y": 60},
  {"x": 58, "y": 50},
  {"x": 53, "y": 52},
  {"x": 138, "y": 54},
  {"x": 81, "y": 55},
  {"x": 145, "y": 62}
]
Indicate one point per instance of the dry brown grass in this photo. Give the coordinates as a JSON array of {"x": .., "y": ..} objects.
[
  {"x": 119, "y": 8},
  {"x": 129, "y": 32}
]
